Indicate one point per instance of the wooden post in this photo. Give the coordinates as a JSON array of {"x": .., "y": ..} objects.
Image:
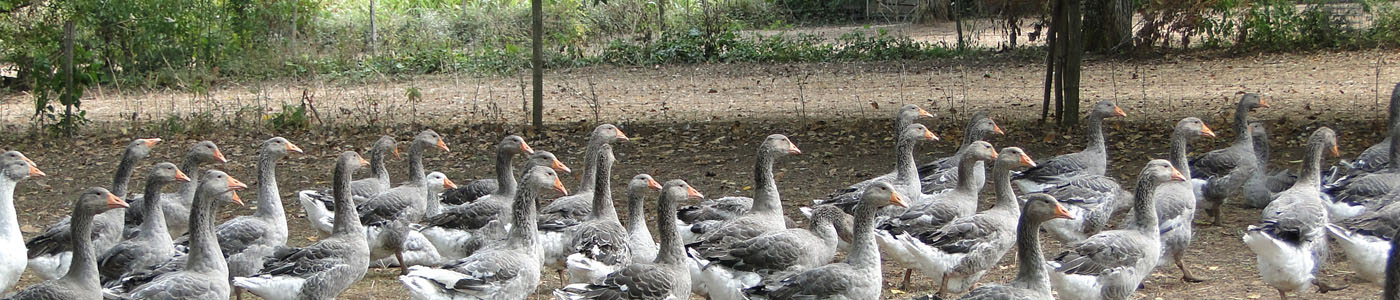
[
  {"x": 1074, "y": 54},
  {"x": 537, "y": 64}
]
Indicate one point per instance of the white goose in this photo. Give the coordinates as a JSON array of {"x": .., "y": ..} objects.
[
  {"x": 1111, "y": 264},
  {"x": 1289, "y": 243},
  {"x": 12, "y": 251},
  {"x": 508, "y": 271},
  {"x": 327, "y": 268},
  {"x": 961, "y": 251},
  {"x": 1367, "y": 241},
  {"x": 665, "y": 278}
]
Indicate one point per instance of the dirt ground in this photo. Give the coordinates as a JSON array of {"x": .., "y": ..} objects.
[
  {"x": 700, "y": 123},
  {"x": 716, "y": 157}
]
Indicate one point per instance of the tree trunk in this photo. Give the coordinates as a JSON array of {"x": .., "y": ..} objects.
[
  {"x": 537, "y": 63},
  {"x": 1051, "y": 47},
  {"x": 1108, "y": 24},
  {"x": 1074, "y": 53},
  {"x": 373, "y": 32},
  {"x": 661, "y": 15}
]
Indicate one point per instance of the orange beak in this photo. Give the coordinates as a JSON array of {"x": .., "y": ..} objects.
[
  {"x": 235, "y": 185},
  {"x": 114, "y": 202},
  {"x": 898, "y": 200},
  {"x": 1262, "y": 103},
  {"x": 363, "y": 162},
  {"x": 1118, "y": 111},
  {"x": 34, "y": 172},
  {"x": 526, "y": 148},
  {"x": 293, "y": 148},
  {"x": 1060, "y": 212},
  {"x": 219, "y": 155},
  {"x": 691, "y": 193},
  {"x": 559, "y": 187},
  {"x": 1026, "y": 160},
  {"x": 997, "y": 129},
  {"x": 792, "y": 148},
  {"x": 1176, "y": 175},
  {"x": 151, "y": 142},
  {"x": 236, "y": 199},
  {"x": 180, "y": 176},
  {"x": 396, "y": 152},
  {"x": 651, "y": 183},
  {"x": 1335, "y": 151},
  {"x": 30, "y": 161},
  {"x": 448, "y": 183},
  {"x": 560, "y": 167},
  {"x": 924, "y": 113},
  {"x": 995, "y": 155},
  {"x": 1206, "y": 131},
  {"x": 928, "y": 135},
  {"x": 621, "y": 136},
  {"x": 443, "y": 146}
]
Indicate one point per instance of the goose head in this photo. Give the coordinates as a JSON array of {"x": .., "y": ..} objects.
[
  {"x": 515, "y": 145},
  {"x": 166, "y": 173},
  {"x": 207, "y": 152},
  {"x": 430, "y": 138},
  {"x": 278, "y": 147},
  {"x": 1014, "y": 157},
  {"x": 96, "y": 200},
  {"x": 642, "y": 182},
  {"x": 216, "y": 183},
  {"x": 1041, "y": 207},
  {"x": 1193, "y": 128},
  {"x": 545, "y": 158},
  {"x": 882, "y": 194},
  {"x": 541, "y": 177},
  {"x": 19, "y": 170},
  {"x": 778, "y": 145},
  {"x": 386, "y": 144},
  {"x": 1108, "y": 108}
]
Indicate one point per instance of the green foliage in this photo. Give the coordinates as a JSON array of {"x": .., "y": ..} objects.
[
  {"x": 1269, "y": 25},
  {"x": 292, "y": 117},
  {"x": 691, "y": 46}
]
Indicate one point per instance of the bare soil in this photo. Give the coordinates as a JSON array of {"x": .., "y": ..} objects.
[{"x": 701, "y": 122}]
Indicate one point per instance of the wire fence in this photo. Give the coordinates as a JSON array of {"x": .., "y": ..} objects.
[{"x": 1350, "y": 85}]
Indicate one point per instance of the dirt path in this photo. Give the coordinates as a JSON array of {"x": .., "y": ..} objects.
[{"x": 1350, "y": 83}]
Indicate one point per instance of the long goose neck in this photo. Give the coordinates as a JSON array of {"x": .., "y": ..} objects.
[
  {"x": 765, "y": 197},
  {"x": 1144, "y": 212},
  {"x": 347, "y": 220},
  {"x": 906, "y": 170},
  {"x": 84, "y": 266},
  {"x": 1180, "y": 145},
  {"x": 1242, "y": 136},
  {"x": 505, "y": 173},
  {"x": 1311, "y": 174},
  {"x": 523, "y": 218},
  {"x": 123, "y": 176},
  {"x": 670, "y": 251},
  {"x": 1001, "y": 182},
  {"x": 1031, "y": 271},
  {"x": 590, "y": 165},
  {"x": 269, "y": 199},
  {"x": 967, "y": 170},
  {"x": 863, "y": 249},
  {"x": 376, "y": 164},
  {"x": 636, "y": 213},
  {"x": 415, "y": 164},
  {"x": 1095, "y": 133},
  {"x": 191, "y": 169},
  {"x": 205, "y": 254},
  {"x": 602, "y": 195},
  {"x": 1261, "y": 154},
  {"x": 154, "y": 223},
  {"x": 9, "y": 223}
]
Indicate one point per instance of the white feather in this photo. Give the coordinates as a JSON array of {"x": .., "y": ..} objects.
[
  {"x": 1367, "y": 254},
  {"x": 271, "y": 287},
  {"x": 555, "y": 244},
  {"x": 586, "y": 270},
  {"x": 51, "y": 266},
  {"x": 320, "y": 216},
  {"x": 1282, "y": 266}
]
